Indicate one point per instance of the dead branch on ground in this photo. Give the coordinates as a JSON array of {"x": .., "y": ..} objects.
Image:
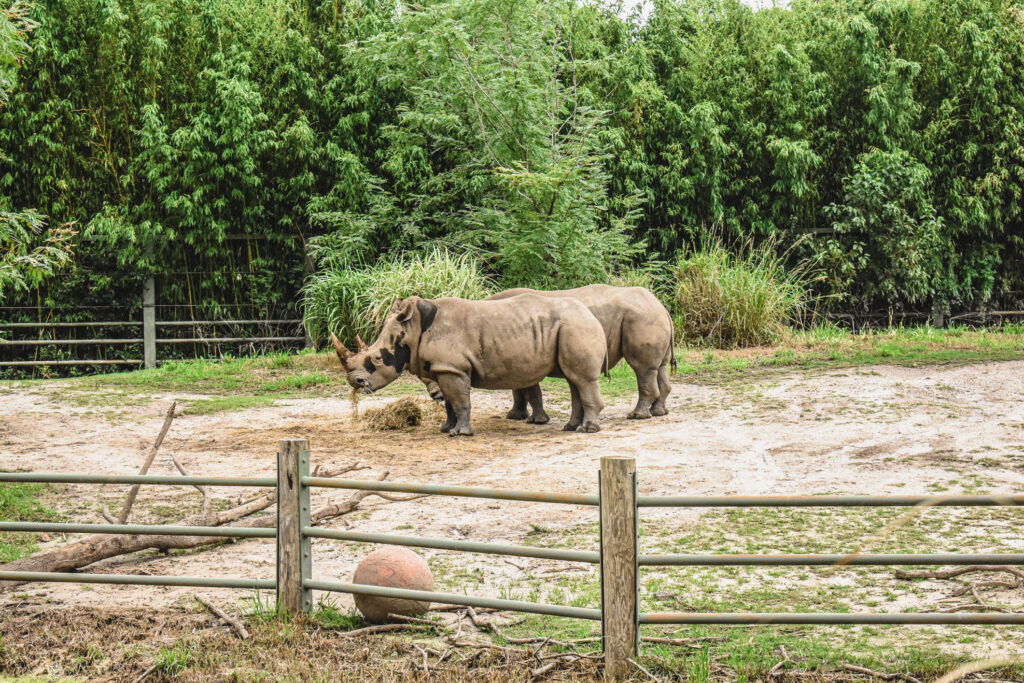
[
  {"x": 226, "y": 618},
  {"x": 972, "y": 587},
  {"x": 134, "y": 491},
  {"x": 87, "y": 551}
]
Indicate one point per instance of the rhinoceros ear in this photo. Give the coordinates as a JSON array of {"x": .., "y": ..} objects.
[
  {"x": 406, "y": 309},
  {"x": 361, "y": 344},
  {"x": 340, "y": 349}
]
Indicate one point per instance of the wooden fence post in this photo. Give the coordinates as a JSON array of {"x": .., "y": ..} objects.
[
  {"x": 294, "y": 559},
  {"x": 619, "y": 601},
  {"x": 149, "y": 322}
]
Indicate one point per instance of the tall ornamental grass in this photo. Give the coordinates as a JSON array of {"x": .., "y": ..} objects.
[
  {"x": 748, "y": 298},
  {"x": 355, "y": 301}
]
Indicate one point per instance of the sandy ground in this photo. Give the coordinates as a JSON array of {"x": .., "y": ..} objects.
[{"x": 872, "y": 430}]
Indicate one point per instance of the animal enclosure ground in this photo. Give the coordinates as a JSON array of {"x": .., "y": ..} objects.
[{"x": 738, "y": 425}]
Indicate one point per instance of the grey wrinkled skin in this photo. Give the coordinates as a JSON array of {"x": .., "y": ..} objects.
[
  {"x": 637, "y": 328},
  {"x": 510, "y": 343}
]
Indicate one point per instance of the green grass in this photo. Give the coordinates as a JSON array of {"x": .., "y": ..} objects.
[
  {"x": 828, "y": 346},
  {"x": 207, "y": 406},
  {"x": 171, "y": 661},
  {"x": 20, "y": 503},
  {"x": 327, "y": 615},
  {"x": 733, "y": 298}
]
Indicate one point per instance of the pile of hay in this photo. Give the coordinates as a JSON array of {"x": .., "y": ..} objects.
[{"x": 401, "y": 414}]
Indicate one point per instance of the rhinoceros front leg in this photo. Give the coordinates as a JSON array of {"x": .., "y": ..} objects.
[
  {"x": 456, "y": 393},
  {"x": 536, "y": 399},
  {"x": 433, "y": 390},
  {"x": 518, "y": 411},
  {"x": 450, "y": 421}
]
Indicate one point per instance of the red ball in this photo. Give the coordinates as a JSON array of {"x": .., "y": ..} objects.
[{"x": 394, "y": 567}]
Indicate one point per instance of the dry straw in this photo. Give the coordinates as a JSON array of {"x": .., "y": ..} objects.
[{"x": 401, "y": 414}]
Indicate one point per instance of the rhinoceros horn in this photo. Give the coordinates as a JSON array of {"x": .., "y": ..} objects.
[
  {"x": 343, "y": 353},
  {"x": 362, "y": 345}
]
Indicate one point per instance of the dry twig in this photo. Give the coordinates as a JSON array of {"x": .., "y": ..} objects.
[{"x": 231, "y": 621}]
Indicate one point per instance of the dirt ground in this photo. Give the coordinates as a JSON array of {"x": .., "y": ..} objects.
[{"x": 877, "y": 430}]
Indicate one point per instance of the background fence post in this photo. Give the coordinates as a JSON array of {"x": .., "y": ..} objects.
[
  {"x": 294, "y": 560},
  {"x": 149, "y": 322},
  {"x": 619, "y": 603}
]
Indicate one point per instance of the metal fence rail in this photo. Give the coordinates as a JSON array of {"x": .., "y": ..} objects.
[
  {"x": 826, "y": 501},
  {"x": 937, "y": 618},
  {"x": 140, "y": 580},
  {"x": 591, "y": 557},
  {"x": 833, "y": 560},
  {"x": 461, "y": 491},
  {"x": 619, "y": 558},
  {"x": 456, "y": 599},
  {"x": 157, "y": 479},
  {"x": 836, "y": 560},
  {"x": 142, "y": 529}
]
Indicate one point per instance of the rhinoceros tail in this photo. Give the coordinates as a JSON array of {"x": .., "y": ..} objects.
[
  {"x": 606, "y": 372},
  {"x": 672, "y": 349}
]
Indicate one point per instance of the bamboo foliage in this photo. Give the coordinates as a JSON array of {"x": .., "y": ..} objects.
[{"x": 211, "y": 142}]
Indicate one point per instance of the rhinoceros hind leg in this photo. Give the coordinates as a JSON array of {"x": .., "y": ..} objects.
[
  {"x": 536, "y": 400},
  {"x": 456, "y": 394},
  {"x": 647, "y": 383},
  {"x": 589, "y": 398},
  {"x": 519, "y": 411},
  {"x": 576, "y": 417},
  {"x": 664, "y": 389}
]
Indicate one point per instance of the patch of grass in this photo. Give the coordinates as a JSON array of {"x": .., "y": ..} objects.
[
  {"x": 828, "y": 346},
  {"x": 264, "y": 609},
  {"x": 207, "y": 406},
  {"x": 327, "y": 615},
  {"x": 297, "y": 382},
  {"x": 171, "y": 661},
  {"x": 727, "y": 298},
  {"x": 20, "y": 503}
]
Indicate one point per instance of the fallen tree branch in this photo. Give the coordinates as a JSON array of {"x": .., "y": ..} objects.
[
  {"x": 959, "y": 571},
  {"x": 134, "y": 491},
  {"x": 226, "y": 618},
  {"x": 103, "y": 546}
]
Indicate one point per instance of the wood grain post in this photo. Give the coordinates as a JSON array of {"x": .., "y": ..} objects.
[
  {"x": 294, "y": 558},
  {"x": 149, "y": 323},
  {"x": 618, "y": 564}
]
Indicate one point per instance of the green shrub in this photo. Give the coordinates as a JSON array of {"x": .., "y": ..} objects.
[
  {"x": 745, "y": 299},
  {"x": 653, "y": 275},
  {"x": 353, "y": 301}
]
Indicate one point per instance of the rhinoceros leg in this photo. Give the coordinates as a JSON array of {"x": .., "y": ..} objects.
[
  {"x": 647, "y": 383},
  {"x": 536, "y": 399},
  {"x": 576, "y": 417},
  {"x": 450, "y": 421},
  {"x": 456, "y": 393},
  {"x": 664, "y": 388},
  {"x": 518, "y": 411},
  {"x": 590, "y": 397}
]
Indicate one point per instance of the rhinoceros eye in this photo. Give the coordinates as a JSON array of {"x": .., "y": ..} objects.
[{"x": 368, "y": 364}]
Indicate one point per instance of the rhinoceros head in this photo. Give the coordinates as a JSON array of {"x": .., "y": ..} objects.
[{"x": 375, "y": 366}]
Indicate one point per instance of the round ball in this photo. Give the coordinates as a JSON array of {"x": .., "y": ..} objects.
[{"x": 394, "y": 567}]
